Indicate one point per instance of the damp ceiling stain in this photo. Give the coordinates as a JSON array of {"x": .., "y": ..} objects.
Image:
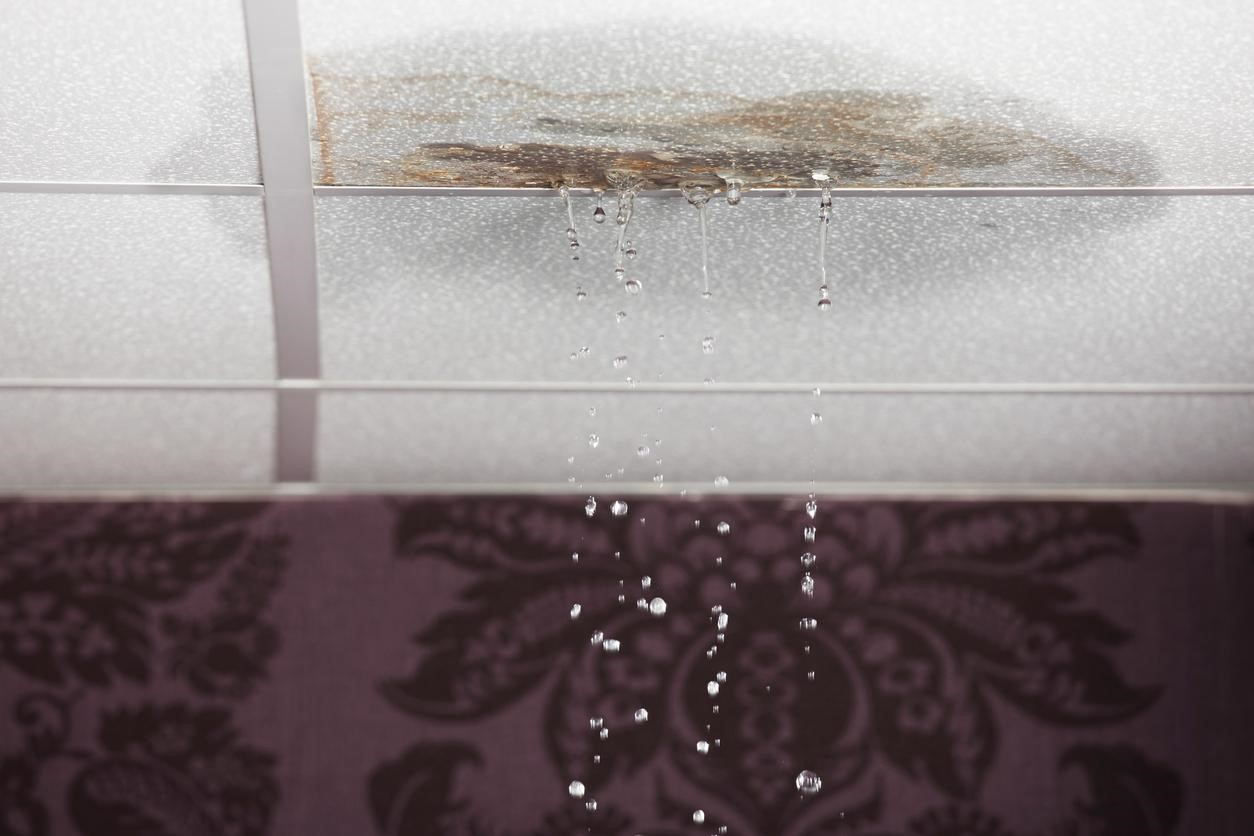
[{"x": 465, "y": 129}]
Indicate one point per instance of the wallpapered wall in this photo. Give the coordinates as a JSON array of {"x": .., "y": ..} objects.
[{"x": 409, "y": 666}]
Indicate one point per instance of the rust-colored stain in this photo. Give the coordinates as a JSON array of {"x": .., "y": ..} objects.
[{"x": 420, "y": 130}]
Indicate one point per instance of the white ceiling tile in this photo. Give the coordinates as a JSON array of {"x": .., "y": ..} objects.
[
  {"x": 512, "y": 438},
  {"x": 134, "y": 286},
  {"x": 98, "y": 439},
  {"x": 130, "y": 90},
  {"x": 914, "y": 92},
  {"x": 924, "y": 290}
]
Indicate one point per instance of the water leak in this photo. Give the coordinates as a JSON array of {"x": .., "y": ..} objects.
[
  {"x": 571, "y": 235},
  {"x": 823, "y": 180},
  {"x": 699, "y": 196}
]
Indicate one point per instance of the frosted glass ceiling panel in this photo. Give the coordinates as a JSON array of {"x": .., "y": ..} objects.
[
  {"x": 118, "y": 439},
  {"x": 130, "y": 90},
  {"x": 134, "y": 286},
  {"x": 437, "y": 438},
  {"x": 904, "y": 93},
  {"x": 924, "y": 290}
]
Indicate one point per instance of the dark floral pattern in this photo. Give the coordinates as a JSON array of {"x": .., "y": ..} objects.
[
  {"x": 83, "y": 590},
  {"x": 926, "y": 616}
]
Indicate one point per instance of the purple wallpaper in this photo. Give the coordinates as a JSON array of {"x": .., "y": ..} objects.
[{"x": 412, "y": 666}]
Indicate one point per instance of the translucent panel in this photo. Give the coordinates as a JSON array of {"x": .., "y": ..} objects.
[
  {"x": 908, "y": 93},
  {"x": 479, "y": 438},
  {"x": 134, "y": 286},
  {"x": 132, "y": 90},
  {"x": 933, "y": 290},
  {"x": 88, "y": 439}
]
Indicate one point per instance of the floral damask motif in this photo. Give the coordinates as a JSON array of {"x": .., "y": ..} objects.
[
  {"x": 153, "y": 770},
  {"x": 79, "y": 583},
  {"x": 926, "y": 614},
  {"x": 1116, "y": 791}
]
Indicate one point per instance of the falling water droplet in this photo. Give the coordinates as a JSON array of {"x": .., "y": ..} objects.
[
  {"x": 707, "y": 345},
  {"x": 808, "y": 782},
  {"x": 632, "y": 286},
  {"x": 575, "y": 610},
  {"x": 619, "y": 508},
  {"x": 807, "y": 560},
  {"x": 611, "y": 645},
  {"x": 807, "y": 585},
  {"x": 630, "y": 252},
  {"x": 571, "y": 234},
  {"x": 815, "y": 419},
  {"x": 711, "y": 688},
  {"x": 810, "y": 675},
  {"x": 642, "y": 450},
  {"x": 576, "y": 789},
  {"x": 657, "y": 606},
  {"x": 699, "y": 197},
  {"x": 812, "y": 508},
  {"x": 580, "y": 295},
  {"x": 698, "y": 816},
  {"x": 620, "y": 361},
  {"x": 620, "y": 273},
  {"x": 724, "y": 528},
  {"x": 590, "y": 507},
  {"x": 808, "y": 533},
  {"x": 703, "y": 747},
  {"x": 593, "y": 440},
  {"x": 620, "y": 316},
  {"x": 646, "y": 581},
  {"x": 809, "y": 623},
  {"x": 595, "y": 723},
  {"x": 721, "y": 623},
  {"x": 592, "y": 411},
  {"x": 825, "y": 304},
  {"x": 733, "y": 192},
  {"x": 721, "y": 481},
  {"x": 597, "y": 637},
  {"x": 590, "y": 805},
  {"x": 641, "y": 715}
]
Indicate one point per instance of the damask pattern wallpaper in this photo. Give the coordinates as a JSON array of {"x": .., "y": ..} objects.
[{"x": 416, "y": 666}]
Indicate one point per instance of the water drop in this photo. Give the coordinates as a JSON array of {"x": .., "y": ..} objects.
[
  {"x": 808, "y": 783},
  {"x": 724, "y": 527},
  {"x": 574, "y": 556},
  {"x": 575, "y": 610},
  {"x": 808, "y": 623},
  {"x": 642, "y": 450},
  {"x": 641, "y": 715},
  {"x": 571, "y": 234},
  {"x": 597, "y": 637},
  {"x": 707, "y": 345},
  {"x": 593, "y": 440},
  {"x": 721, "y": 676},
  {"x": 733, "y": 192},
  {"x": 620, "y": 361},
  {"x": 812, "y": 508},
  {"x": 620, "y": 273},
  {"x": 632, "y": 286},
  {"x": 576, "y": 789},
  {"x": 711, "y": 688},
  {"x": 590, "y": 507},
  {"x": 619, "y": 508},
  {"x": 807, "y": 585},
  {"x": 596, "y": 722},
  {"x": 721, "y": 481},
  {"x": 657, "y": 606},
  {"x": 658, "y": 478},
  {"x": 698, "y": 816},
  {"x": 590, "y": 805},
  {"x": 808, "y": 533},
  {"x": 592, "y": 411},
  {"x": 815, "y": 419},
  {"x": 705, "y": 294},
  {"x": 646, "y": 582},
  {"x": 580, "y": 295},
  {"x": 604, "y": 733},
  {"x": 721, "y": 623},
  {"x": 630, "y": 252},
  {"x": 825, "y": 304},
  {"x": 703, "y": 747},
  {"x": 810, "y": 675},
  {"x": 807, "y": 560},
  {"x": 620, "y": 316},
  {"x": 699, "y": 196},
  {"x": 611, "y": 645}
]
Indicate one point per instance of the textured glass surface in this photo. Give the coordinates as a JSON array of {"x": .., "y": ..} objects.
[
  {"x": 911, "y": 93},
  {"x": 134, "y": 286},
  {"x": 923, "y": 289},
  {"x": 483, "y": 438},
  {"x": 100, "y": 439},
  {"x": 132, "y": 90}
]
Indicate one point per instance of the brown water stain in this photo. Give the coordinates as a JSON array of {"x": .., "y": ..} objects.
[{"x": 375, "y": 130}]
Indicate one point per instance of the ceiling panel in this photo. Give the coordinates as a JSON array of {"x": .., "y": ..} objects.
[
  {"x": 924, "y": 290},
  {"x": 134, "y": 286},
  {"x": 84, "y": 439},
  {"x": 125, "y": 90},
  {"x": 908, "y": 93},
  {"x": 512, "y": 438}
]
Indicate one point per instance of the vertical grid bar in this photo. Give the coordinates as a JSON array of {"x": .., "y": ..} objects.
[{"x": 278, "y": 77}]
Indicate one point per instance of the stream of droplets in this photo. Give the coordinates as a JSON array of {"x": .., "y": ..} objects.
[{"x": 650, "y": 602}]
